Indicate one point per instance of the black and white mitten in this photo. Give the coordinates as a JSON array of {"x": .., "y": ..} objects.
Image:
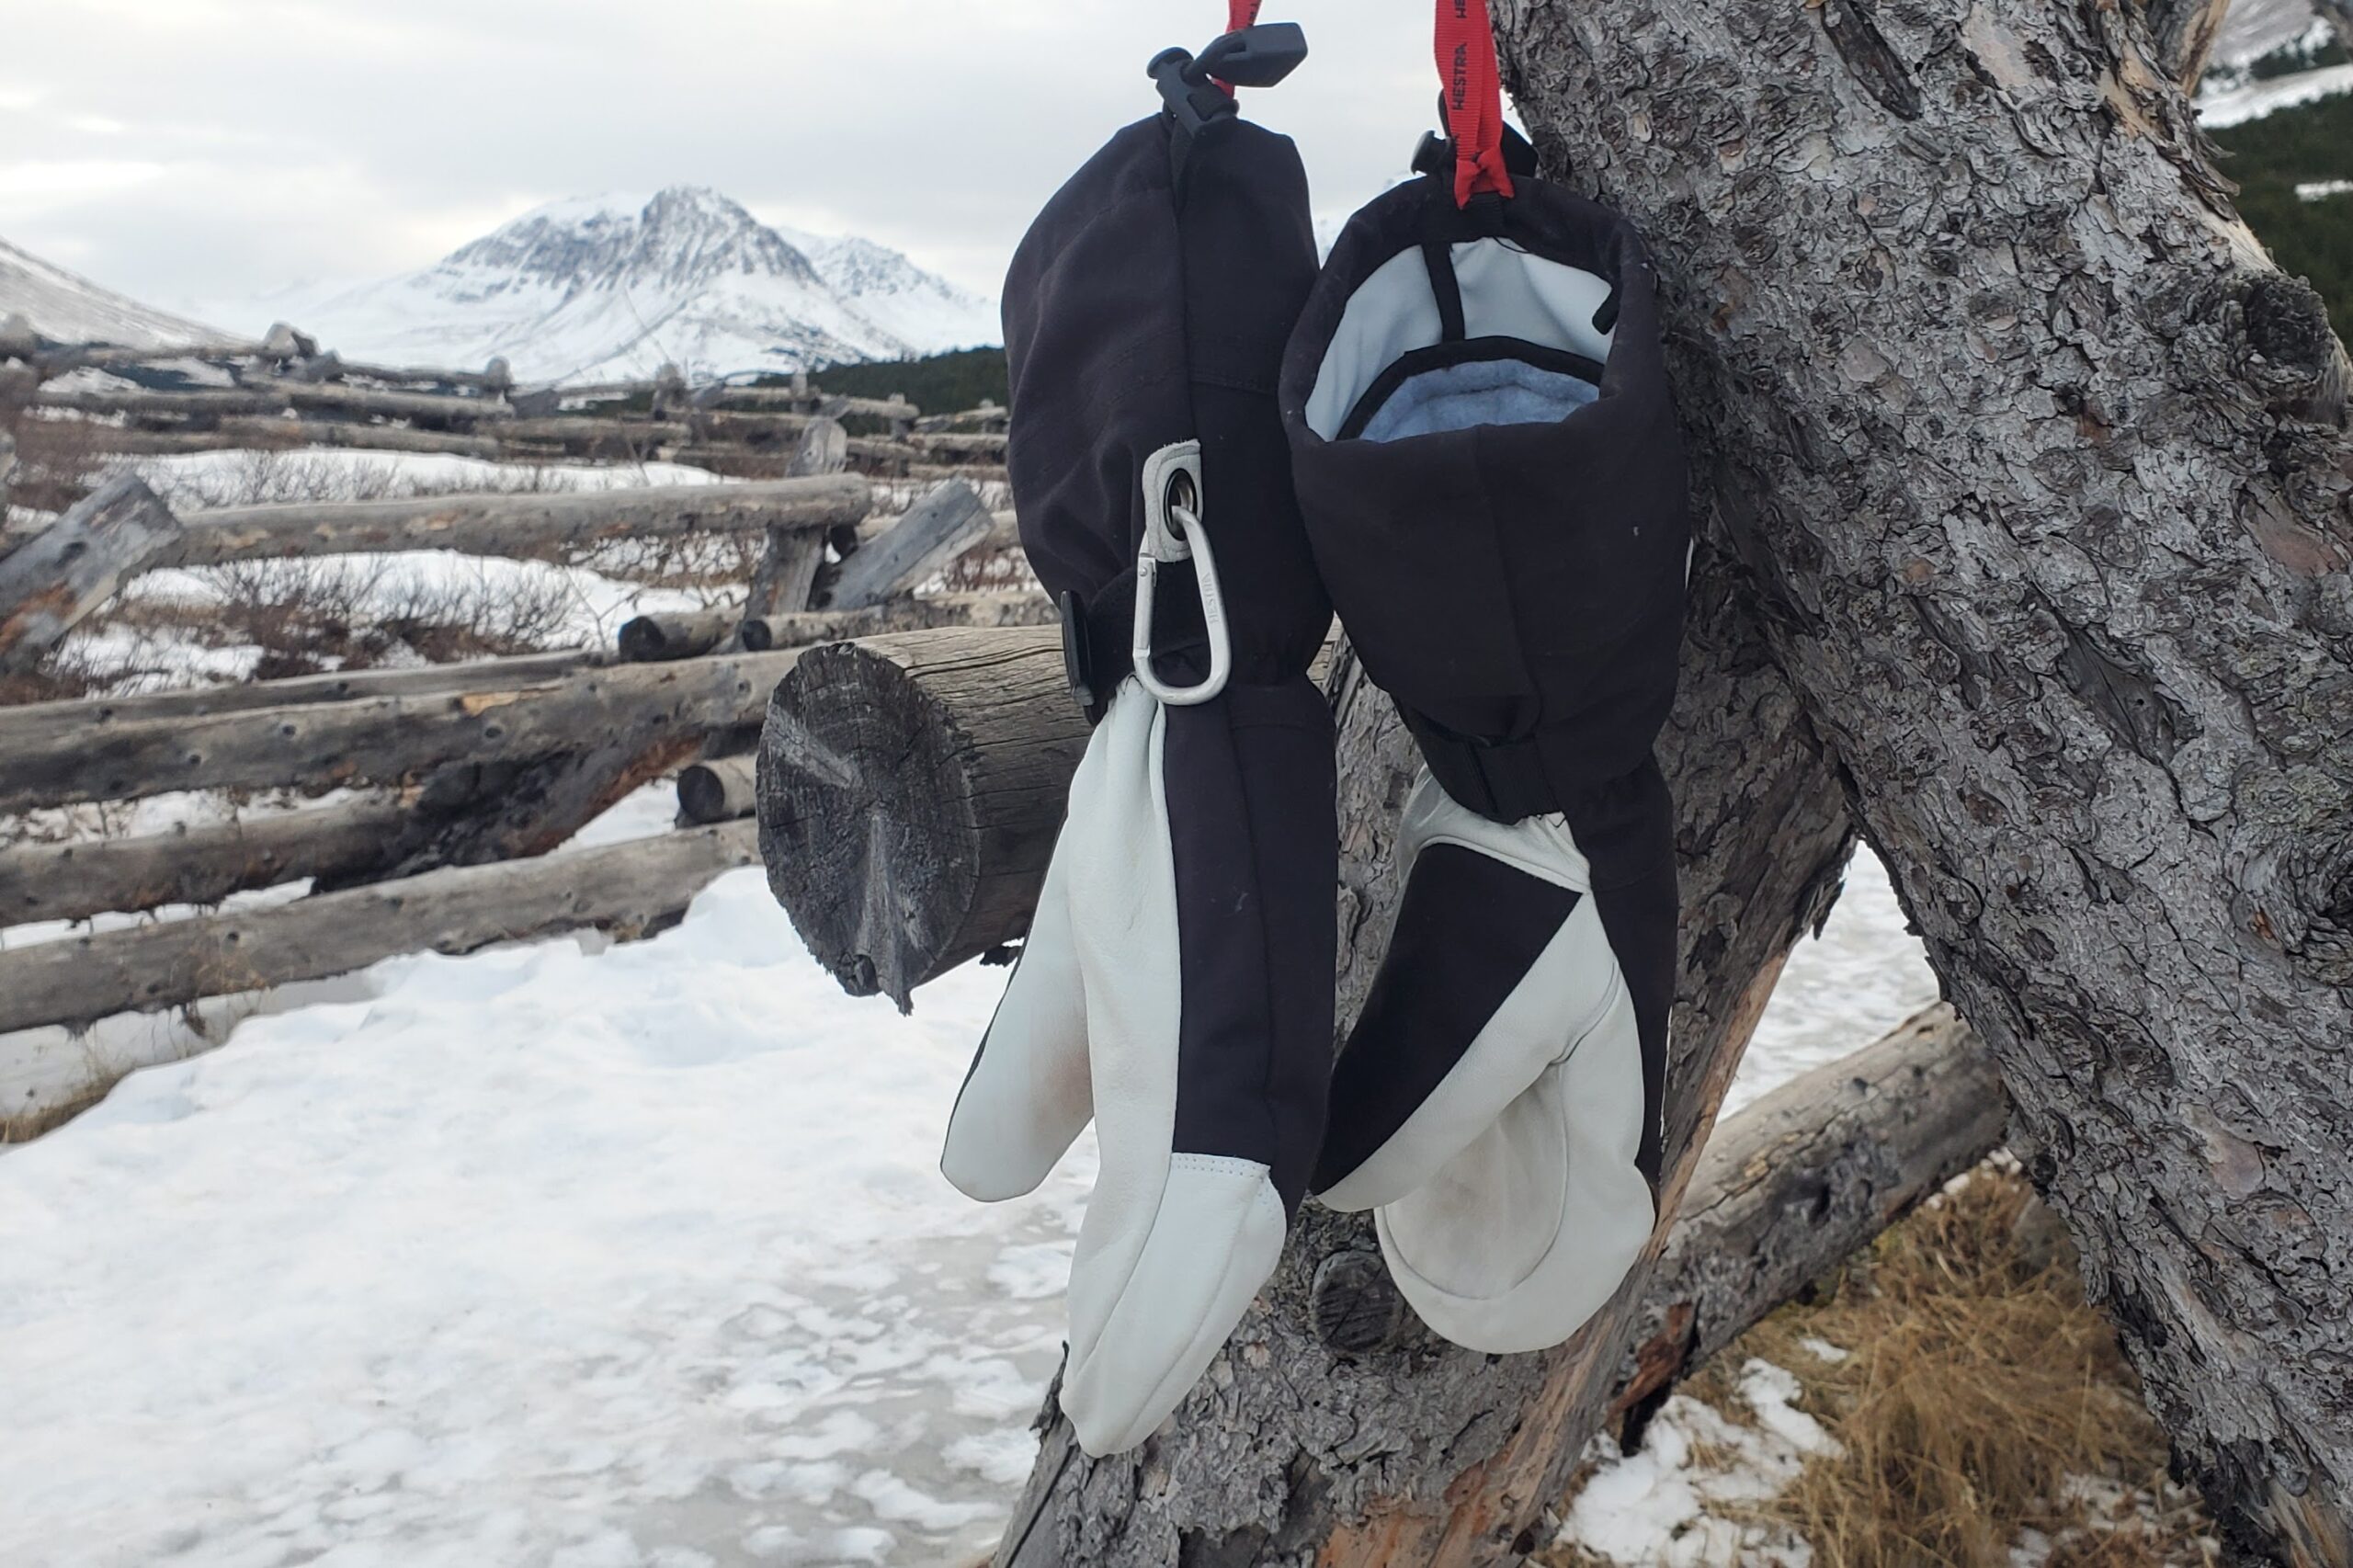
[
  {"x": 1176, "y": 981},
  {"x": 1492, "y": 479}
]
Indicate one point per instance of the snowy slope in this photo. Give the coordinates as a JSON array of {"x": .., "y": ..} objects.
[
  {"x": 608, "y": 287},
  {"x": 67, "y": 308},
  {"x": 632, "y": 1258}
]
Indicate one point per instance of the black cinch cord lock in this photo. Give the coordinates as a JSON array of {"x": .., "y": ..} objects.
[{"x": 1256, "y": 56}]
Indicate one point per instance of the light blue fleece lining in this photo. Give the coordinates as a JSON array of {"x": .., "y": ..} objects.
[{"x": 1478, "y": 391}]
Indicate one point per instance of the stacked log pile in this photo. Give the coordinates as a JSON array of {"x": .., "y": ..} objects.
[
  {"x": 284, "y": 394},
  {"x": 445, "y": 788}
]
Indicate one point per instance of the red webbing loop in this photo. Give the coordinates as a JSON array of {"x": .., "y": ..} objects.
[
  {"x": 1474, "y": 97},
  {"x": 1239, "y": 14}
]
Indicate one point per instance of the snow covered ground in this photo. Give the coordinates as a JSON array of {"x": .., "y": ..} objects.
[
  {"x": 624, "y": 1258},
  {"x": 2238, "y": 105}
]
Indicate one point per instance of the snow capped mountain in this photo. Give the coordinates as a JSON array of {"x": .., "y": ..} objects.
[
  {"x": 67, "y": 308},
  {"x": 607, "y": 288}
]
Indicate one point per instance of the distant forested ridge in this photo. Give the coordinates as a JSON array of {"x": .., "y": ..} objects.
[{"x": 944, "y": 384}]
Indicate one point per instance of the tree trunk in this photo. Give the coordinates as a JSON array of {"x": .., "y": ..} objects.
[{"x": 2038, "y": 470}]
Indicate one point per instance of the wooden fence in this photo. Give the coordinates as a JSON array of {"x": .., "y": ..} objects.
[
  {"x": 449, "y": 784},
  {"x": 284, "y": 394}
]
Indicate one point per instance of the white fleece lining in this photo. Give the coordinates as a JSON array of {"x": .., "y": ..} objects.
[{"x": 1506, "y": 293}]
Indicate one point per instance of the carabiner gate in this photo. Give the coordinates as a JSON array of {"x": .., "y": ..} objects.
[{"x": 1173, "y": 531}]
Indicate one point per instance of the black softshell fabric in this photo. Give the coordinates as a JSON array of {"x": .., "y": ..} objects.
[
  {"x": 1133, "y": 321},
  {"x": 1137, "y": 317},
  {"x": 1519, "y": 589}
]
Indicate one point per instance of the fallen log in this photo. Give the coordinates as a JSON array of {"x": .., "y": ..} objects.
[
  {"x": 678, "y": 635},
  {"x": 49, "y": 583},
  {"x": 338, "y": 397},
  {"x": 975, "y": 611},
  {"x": 387, "y": 739},
  {"x": 203, "y": 865},
  {"x": 943, "y": 525},
  {"x": 587, "y": 430},
  {"x": 632, "y": 890},
  {"x": 31, "y": 726},
  {"x": 1793, "y": 1184},
  {"x": 723, "y": 789},
  {"x": 522, "y": 526},
  {"x": 242, "y": 433},
  {"x": 910, "y": 788}
]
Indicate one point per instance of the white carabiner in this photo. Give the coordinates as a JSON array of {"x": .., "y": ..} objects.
[{"x": 1173, "y": 531}]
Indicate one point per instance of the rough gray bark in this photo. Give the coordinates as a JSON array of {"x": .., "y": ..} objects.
[
  {"x": 634, "y": 889},
  {"x": 949, "y": 520},
  {"x": 519, "y": 525},
  {"x": 2039, "y": 469},
  {"x": 202, "y": 865},
  {"x": 631, "y": 709},
  {"x": 1293, "y": 1451},
  {"x": 1805, "y": 1178},
  {"x": 48, "y": 584},
  {"x": 910, "y": 788},
  {"x": 2181, "y": 35}
]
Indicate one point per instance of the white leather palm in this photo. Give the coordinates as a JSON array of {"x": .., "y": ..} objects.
[
  {"x": 1508, "y": 1204},
  {"x": 1174, "y": 1246}
]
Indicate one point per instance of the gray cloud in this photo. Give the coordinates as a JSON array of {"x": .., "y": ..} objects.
[{"x": 229, "y": 147}]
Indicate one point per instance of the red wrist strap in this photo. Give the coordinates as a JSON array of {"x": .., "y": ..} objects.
[
  {"x": 1239, "y": 14},
  {"x": 1474, "y": 97}
]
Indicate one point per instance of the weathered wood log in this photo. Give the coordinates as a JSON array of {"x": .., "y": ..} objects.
[
  {"x": 544, "y": 524},
  {"x": 678, "y": 635},
  {"x": 7, "y": 478},
  {"x": 958, "y": 743},
  {"x": 948, "y": 521},
  {"x": 17, "y": 339},
  {"x": 336, "y": 397},
  {"x": 386, "y": 739},
  {"x": 2047, "y": 494},
  {"x": 723, "y": 789},
  {"x": 1792, "y": 1186},
  {"x": 987, "y": 416},
  {"x": 633, "y": 434},
  {"x": 48, "y": 584},
  {"x": 54, "y": 362},
  {"x": 139, "y": 402},
  {"x": 201, "y": 864},
  {"x": 30, "y": 727},
  {"x": 631, "y": 890},
  {"x": 241, "y": 433},
  {"x": 977, "y": 611},
  {"x": 787, "y": 574}
]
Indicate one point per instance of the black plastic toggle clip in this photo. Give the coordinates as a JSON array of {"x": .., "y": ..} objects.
[{"x": 1258, "y": 56}]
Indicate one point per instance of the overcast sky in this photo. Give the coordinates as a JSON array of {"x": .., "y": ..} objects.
[{"x": 195, "y": 151}]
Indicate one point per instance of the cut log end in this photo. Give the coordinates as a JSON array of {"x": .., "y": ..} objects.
[{"x": 909, "y": 791}]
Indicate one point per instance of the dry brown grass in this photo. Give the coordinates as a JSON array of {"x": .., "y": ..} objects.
[{"x": 1982, "y": 1406}]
